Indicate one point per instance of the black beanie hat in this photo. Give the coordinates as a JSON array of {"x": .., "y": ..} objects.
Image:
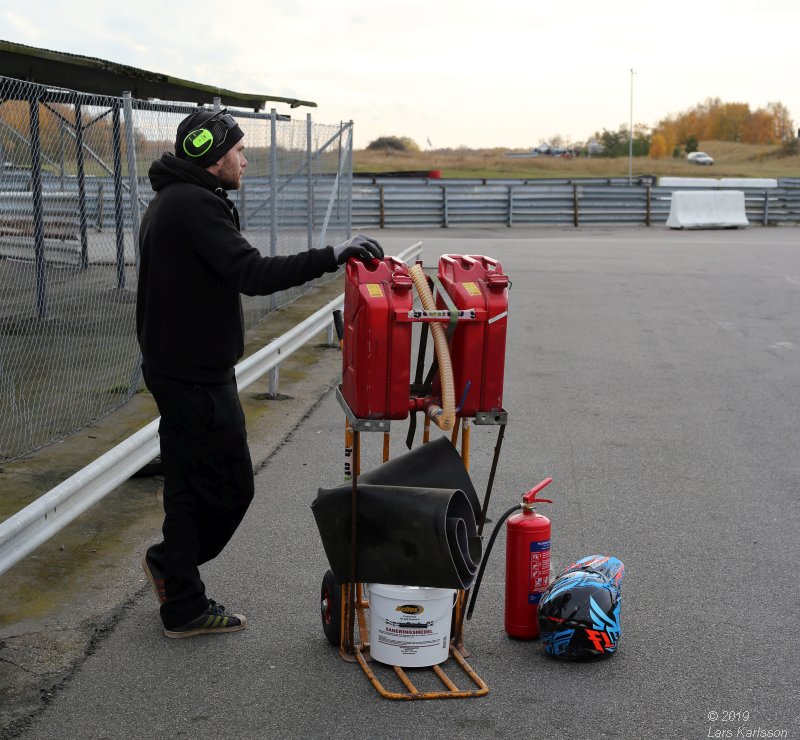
[{"x": 205, "y": 136}]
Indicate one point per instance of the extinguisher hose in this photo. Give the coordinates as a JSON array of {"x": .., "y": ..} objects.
[
  {"x": 443, "y": 417},
  {"x": 485, "y": 558}
]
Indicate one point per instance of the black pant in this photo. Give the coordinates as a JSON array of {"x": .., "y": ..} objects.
[{"x": 208, "y": 485}]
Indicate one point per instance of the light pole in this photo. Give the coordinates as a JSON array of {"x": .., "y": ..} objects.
[{"x": 630, "y": 138}]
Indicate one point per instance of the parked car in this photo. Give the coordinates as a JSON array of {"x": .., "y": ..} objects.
[{"x": 700, "y": 158}]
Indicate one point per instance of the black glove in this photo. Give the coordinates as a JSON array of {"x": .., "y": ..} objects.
[{"x": 362, "y": 247}]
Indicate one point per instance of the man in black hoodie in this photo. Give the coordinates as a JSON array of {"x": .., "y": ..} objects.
[{"x": 194, "y": 265}]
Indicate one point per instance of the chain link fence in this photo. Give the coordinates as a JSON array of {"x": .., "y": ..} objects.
[{"x": 73, "y": 187}]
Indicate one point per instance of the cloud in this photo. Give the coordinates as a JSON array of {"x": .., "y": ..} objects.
[{"x": 483, "y": 74}]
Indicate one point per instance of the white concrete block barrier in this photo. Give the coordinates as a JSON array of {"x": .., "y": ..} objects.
[
  {"x": 707, "y": 209},
  {"x": 718, "y": 182}
]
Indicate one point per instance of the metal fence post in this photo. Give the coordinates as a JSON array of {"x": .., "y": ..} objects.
[
  {"x": 766, "y": 208},
  {"x": 309, "y": 183},
  {"x": 273, "y": 220},
  {"x": 339, "y": 178},
  {"x": 273, "y": 189},
  {"x": 575, "y": 219},
  {"x": 344, "y": 151},
  {"x": 649, "y": 202},
  {"x": 274, "y": 376},
  {"x": 38, "y": 217},
  {"x": 61, "y": 156},
  {"x": 133, "y": 174},
  {"x": 510, "y": 206},
  {"x": 118, "y": 212},
  {"x": 81, "y": 184},
  {"x": 382, "y": 206},
  {"x": 349, "y": 188},
  {"x": 445, "y": 215}
]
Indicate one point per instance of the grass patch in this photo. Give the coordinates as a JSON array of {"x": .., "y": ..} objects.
[{"x": 730, "y": 160}]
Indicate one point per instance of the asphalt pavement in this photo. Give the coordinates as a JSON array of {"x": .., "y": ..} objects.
[{"x": 655, "y": 376}]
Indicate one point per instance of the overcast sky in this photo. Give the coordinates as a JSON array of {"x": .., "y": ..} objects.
[{"x": 505, "y": 73}]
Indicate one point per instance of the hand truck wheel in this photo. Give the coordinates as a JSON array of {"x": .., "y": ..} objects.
[{"x": 330, "y": 603}]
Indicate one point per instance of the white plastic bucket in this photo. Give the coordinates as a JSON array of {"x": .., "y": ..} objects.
[{"x": 409, "y": 626}]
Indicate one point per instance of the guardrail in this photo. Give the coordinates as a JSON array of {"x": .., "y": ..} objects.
[
  {"x": 24, "y": 531},
  {"x": 61, "y": 200},
  {"x": 425, "y": 202},
  {"x": 446, "y": 203}
]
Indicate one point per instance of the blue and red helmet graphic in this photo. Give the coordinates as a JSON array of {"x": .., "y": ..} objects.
[{"x": 579, "y": 613}]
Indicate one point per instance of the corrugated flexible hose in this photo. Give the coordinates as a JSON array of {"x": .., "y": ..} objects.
[{"x": 443, "y": 416}]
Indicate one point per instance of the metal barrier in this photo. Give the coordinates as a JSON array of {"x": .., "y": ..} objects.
[
  {"x": 415, "y": 203},
  {"x": 61, "y": 206},
  {"x": 438, "y": 203},
  {"x": 23, "y": 532}
]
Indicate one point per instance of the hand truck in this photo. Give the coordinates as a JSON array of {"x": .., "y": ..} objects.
[{"x": 344, "y": 605}]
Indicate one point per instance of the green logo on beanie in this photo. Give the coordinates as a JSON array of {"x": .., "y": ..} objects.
[{"x": 198, "y": 142}]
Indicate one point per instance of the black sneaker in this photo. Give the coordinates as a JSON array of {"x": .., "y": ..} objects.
[
  {"x": 212, "y": 620},
  {"x": 156, "y": 577}
]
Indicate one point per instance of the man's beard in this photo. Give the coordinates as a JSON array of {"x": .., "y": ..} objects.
[
  {"x": 229, "y": 179},
  {"x": 230, "y": 183}
]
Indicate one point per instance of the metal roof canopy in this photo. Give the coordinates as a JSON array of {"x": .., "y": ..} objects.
[{"x": 101, "y": 77}]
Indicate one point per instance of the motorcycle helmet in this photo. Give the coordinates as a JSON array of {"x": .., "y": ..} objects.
[{"x": 579, "y": 613}]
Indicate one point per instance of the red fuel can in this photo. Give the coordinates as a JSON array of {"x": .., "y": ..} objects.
[
  {"x": 478, "y": 347},
  {"x": 377, "y": 347}
]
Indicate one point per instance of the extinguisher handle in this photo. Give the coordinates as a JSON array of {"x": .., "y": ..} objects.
[{"x": 530, "y": 496}]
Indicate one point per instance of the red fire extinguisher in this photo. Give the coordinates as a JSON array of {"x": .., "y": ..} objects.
[{"x": 527, "y": 565}]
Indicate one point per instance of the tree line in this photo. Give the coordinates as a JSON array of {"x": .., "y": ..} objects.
[
  {"x": 674, "y": 135},
  {"x": 712, "y": 120},
  {"x": 57, "y": 134}
]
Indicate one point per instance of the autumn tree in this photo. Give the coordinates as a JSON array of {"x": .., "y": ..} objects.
[
  {"x": 57, "y": 134},
  {"x": 724, "y": 121},
  {"x": 759, "y": 128},
  {"x": 714, "y": 119},
  {"x": 658, "y": 146},
  {"x": 782, "y": 124}
]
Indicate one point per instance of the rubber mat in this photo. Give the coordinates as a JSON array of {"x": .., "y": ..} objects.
[{"x": 413, "y": 529}]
